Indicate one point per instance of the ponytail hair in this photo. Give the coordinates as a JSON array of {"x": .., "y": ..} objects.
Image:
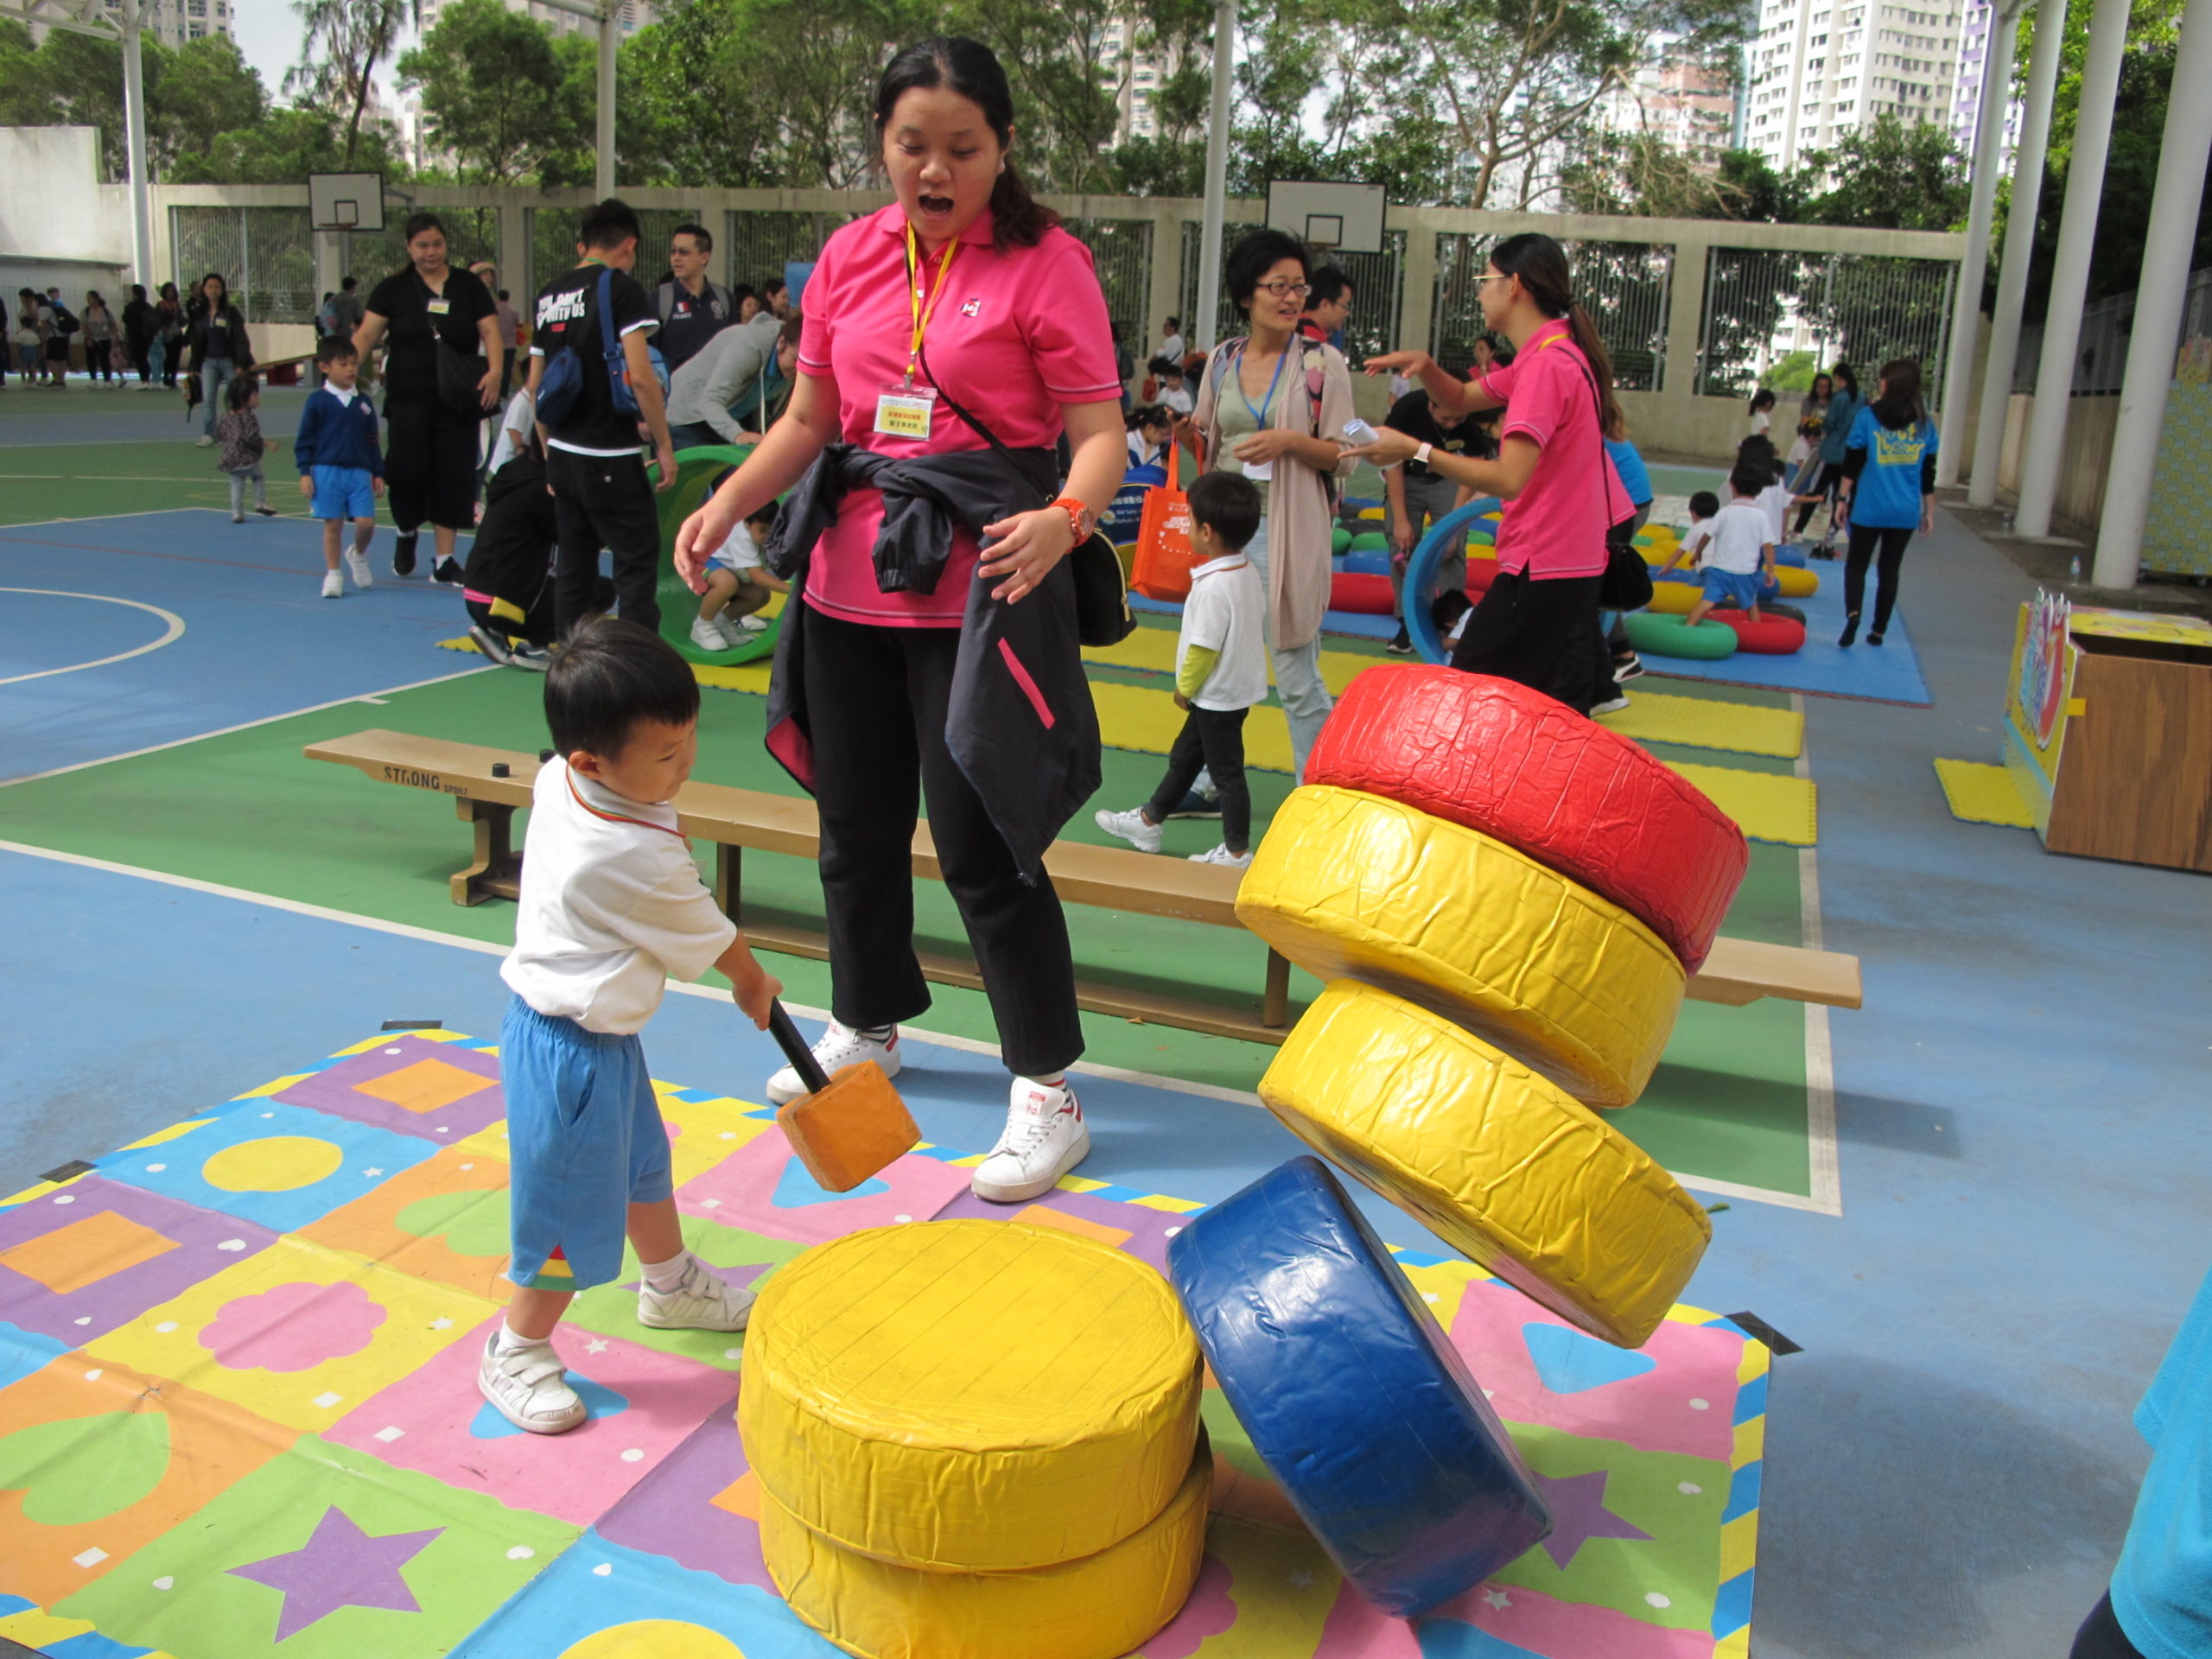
[
  {"x": 1540, "y": 263},
  {"x": 972, "y": 69},
  {"x": 1898, "y": 405}
]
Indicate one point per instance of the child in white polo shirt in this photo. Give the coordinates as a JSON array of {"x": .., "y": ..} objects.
[
  {"x": 1221, "y": 670},
  {"x": 611, "y": 906}
]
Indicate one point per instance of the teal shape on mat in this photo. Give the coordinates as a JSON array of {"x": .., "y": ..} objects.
[
  {"x": 1569, "y": 1362},
  {"x": 1448, "y": 1638},
  {"x": 599, "y": 1401},
  {"x": 796, "y": 1189}
]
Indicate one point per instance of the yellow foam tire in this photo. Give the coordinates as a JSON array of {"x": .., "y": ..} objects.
[
  {"x": 1673, "y": 598},
  {"x": 1097, "y": 1607},
  {"x": 1350, "y": 886},
  {"x": 969, "y": 1395},
  {"x": 1498, "y": 1162},
  {"x": 1798, "y": 582}
]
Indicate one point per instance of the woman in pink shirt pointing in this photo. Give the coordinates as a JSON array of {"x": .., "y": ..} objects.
[
  {"x": 928, "y": 653},
  {"x": 1560, "y": 492}
]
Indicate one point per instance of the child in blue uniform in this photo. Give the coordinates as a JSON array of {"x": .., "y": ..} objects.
[{"x": 341, "y": 464}]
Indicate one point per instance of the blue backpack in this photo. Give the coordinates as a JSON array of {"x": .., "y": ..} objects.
[{"x": 563, "y": 383}]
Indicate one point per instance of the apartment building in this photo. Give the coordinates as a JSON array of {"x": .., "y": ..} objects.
[
  {"x": 1134, "y": 74},
  {"x": 1818, "y": 70},
  {"x": 1684, "y": 104}
]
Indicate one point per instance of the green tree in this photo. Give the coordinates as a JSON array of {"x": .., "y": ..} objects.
[
  {"x": 286, "y": 145},
  {"x": 1892, "y": 176},
  {"x": 496, "y": 96},
  {"x": 192, "y": 94},
  {"x": 345, "y": 40}
]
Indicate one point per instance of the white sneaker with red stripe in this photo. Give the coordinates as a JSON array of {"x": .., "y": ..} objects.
[{"x": 1044, "y": 1138}]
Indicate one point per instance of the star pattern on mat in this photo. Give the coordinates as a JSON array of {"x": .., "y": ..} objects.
[
  {"x": 1578, "y": 1514},
  {"x": 1498, "y": 1600},
  {"x": 339, "y": 1566}
]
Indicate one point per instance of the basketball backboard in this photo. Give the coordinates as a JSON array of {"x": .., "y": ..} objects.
[
  {"x": 345, "y": 201},
  {"x": 1341, "y": 218}
]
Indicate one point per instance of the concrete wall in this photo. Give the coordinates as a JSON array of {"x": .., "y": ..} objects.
[
  {"x": 53, "y": 207},
  {"x": 2085, "y": 463}
]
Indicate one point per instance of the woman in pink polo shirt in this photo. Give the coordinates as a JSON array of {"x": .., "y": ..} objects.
[
  {"x": 964, "y": 291},
  {"x": 1559, "y": 486}
]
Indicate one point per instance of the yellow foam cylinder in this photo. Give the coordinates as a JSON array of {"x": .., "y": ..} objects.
[
  {"x": 1350, "y": 886},
  {"x": 1673, "y": 598},
  {"x": 1796, "y": 582},
  {"x": 979, "y": 1395},
  {"x": 1498, "y": 1162},
  {"x": 1099, "y": 1607}
]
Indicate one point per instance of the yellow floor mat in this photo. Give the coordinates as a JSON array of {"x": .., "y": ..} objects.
[
  {"x": 1709, "y": 723},
  {"x": 1136, "y": 717},
  {"x": 1980, "y": 793},
  {"x": 1767, "y": 806}
]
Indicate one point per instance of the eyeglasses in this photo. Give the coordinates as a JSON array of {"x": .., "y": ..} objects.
[
  {"x": 1494, "y": 276},
  {"x": 1287, "y": 290}
]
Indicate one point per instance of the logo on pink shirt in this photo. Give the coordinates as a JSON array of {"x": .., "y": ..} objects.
[{"x": 972, "y": 309}]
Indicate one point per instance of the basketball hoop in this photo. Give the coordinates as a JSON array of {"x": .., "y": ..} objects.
[{"x": 345, "y": 201}]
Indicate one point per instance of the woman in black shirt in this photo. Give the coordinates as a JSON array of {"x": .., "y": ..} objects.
[
  {"x": 218, "y": 347},
  {"x": 430, "y": 442}
]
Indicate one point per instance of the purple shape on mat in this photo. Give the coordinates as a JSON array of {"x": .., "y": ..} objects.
[
  {"x": 672, "y": 1512},
  {"x": 1578, "y": 1514},
  {"x": 206, "y": 1242},
  {"x": 338, "y": 1090},
  {"x": 1149, "y": 1229},
  {"x": 339, "y": 1566}
]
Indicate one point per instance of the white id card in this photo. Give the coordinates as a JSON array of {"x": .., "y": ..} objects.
[
  {"x": 905, "y": 411},
  {"x": 439, "y": 306},
  {"x": 1260, "y": 470}
]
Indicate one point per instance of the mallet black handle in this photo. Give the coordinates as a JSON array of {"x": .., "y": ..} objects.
[{"x": 795, "y": 1050}]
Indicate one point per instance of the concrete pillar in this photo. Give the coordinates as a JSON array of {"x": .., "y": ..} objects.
[
  {"x": 2069, "y": 276},
  {"x": 1205, "y": 327},
  {"x": 1966, "y": 311},
  {"x": 2019, "y": 250},
  {"x": 133, "y": 122},
  {"x": 2159, "y": 296},
  {"x": 610, "y": 33},
  {"x": 1685, "y": 281},
  {"x": 1163, "y": 297},
  {"x": 1417, "y": 305},
  {"x": 514, "y": 254}
]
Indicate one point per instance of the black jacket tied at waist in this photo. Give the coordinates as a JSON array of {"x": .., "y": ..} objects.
[{"x": 1021, "y": 724}]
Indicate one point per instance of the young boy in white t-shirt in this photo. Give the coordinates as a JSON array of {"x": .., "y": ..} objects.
[
  {"x": 611, "y": 906},
  {"x": 1734, "y": 548},
  {"x": 738, "y": 584},
  {"x": 1221, "y": 670}
]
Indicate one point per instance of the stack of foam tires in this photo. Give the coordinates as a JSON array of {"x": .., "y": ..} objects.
[
  {"x": 977, "y": 1440},
  {"x": 1506, "y": 901}
]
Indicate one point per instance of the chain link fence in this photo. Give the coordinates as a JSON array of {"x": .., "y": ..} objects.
[
  {"x": 266, "y": 257},
  {"x": 760, "y": 244},
  {"x": 1762, "y": 304}
]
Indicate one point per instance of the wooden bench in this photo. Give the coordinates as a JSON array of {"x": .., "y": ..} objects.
[{"x": 1107, "y": 877}]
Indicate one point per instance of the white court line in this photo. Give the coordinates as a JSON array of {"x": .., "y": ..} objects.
[
  {"x": 175, "y": 630},
  {"x": 1823, "y": 1164}
]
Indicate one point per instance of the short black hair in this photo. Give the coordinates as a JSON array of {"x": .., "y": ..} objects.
[
  {"x": 698, "y": 233},
  {"x": 349, "y": 282},
  {"x": 765, "y": 513},
  {"x": 608, "y": 675},
  {"x": 1228, "y": 504},
  {"x": 1164, "y": 366},
  {"x": 1328, "y": 283},
  {"x": 1174, "y": 322},
  {"x": 1750, "y": 476},
  {"x": 503, "y": 293},
  {"x": 1254, "y": 256},
  {"x": 773, "y": 287},
  {"x": 1704, "y": 504},
  {"x": 334, "y": 348},
  {"x": 609, "y": 224}
]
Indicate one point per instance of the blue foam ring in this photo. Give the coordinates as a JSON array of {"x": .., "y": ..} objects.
[
  {"x": 1367, "y": 563},
  {"x": 1447, "y": 533},
  {"x": 1352, "y": 1396},
  {"x": 1790, "y": 554}
]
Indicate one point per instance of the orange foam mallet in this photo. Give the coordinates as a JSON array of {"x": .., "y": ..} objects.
[{"x": 844, "y": 1129}]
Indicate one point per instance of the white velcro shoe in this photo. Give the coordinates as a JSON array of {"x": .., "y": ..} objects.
[
  {"x": 838, "y": 1046},
  {"x": 702, "y": 1302},
  {"x": 1043, "y": 1139},
  {"x": 529, "y": 1387}
]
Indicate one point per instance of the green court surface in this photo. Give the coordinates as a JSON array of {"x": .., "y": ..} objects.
[{"x": 245, "y": 809}]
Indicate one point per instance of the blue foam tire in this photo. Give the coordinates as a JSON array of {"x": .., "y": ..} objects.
[
  {"x": 1353, "y": 1397},
  {"x": 1363, "y": 562},
  {"x": 1448, "y": 532}
]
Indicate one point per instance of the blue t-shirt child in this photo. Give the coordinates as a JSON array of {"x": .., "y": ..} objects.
[
  {"x": 2162, "y": 1589},
  {"x": 1635, "y": 477},
  {"x": 1887, "y": 494}
]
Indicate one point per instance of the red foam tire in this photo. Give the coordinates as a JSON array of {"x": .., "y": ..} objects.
[
  {"x": 1769, "y": 636},
  {"x": 1361, "y": 593},
  {"x": 1527, "y": 770},
  {"x": 1480, "y": 574}
]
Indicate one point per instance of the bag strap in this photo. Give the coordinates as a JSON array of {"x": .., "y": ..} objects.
[
  {"x": 981, "y": 430},
  {"x": 605, "y": 308}
]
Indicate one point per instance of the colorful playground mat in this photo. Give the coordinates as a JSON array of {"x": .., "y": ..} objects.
[
  {"x": 1978, "y": 792},
  {"x": 238, "y": 1415}
]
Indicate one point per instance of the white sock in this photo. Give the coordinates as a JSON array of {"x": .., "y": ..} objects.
[
  {"x": 665, "y": 1276},
  {"x": 509, "y": 1342}
]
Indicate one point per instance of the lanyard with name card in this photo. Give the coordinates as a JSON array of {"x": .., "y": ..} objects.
[
  {"x": 1260, "y": 470},
  {"x": 905, "y": 409}
]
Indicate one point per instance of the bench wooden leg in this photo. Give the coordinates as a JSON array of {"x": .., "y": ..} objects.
[
  {"x": 730, "y": 881},
  {"x": 1275, "y": 1007},
  {"x": 495, "y": 872}
]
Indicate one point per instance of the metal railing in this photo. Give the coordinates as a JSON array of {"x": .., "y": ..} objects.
[{"x": 1763, "y": 304}]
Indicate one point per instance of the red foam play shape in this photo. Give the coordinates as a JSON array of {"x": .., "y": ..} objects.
[
  {"x": 1770, "y": 636},
  {"x": 1362, "y": 593}
]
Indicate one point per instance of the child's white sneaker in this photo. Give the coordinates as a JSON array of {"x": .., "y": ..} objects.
[
  {"x": 357, "y": 563},
  {"x": 1045, "y": 1137},
  {"x": 745, "y": 627},
  {"x": 529, "y": 1387},
  {"x": 1221, "y": 854},
  {"x": 707, "y": 633},
  {"x": 838, "y": 1046},
  {"x": 333, "y": 586},
  {"x": 701, "y": 1302},
  {"x": 1130, "y": 827}
]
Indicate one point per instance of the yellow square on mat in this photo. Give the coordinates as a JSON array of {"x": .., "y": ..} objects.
[
  {"x": 490, "y": 1141},
  {"x": 86, "y": 1252},
  {"x": 300, "y": 1334},
  {"x": 701, "y": 1133},
  {"x": 425, "y": 1086}
]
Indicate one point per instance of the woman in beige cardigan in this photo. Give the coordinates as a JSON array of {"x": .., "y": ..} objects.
[{"x": 1271, "y": 405}]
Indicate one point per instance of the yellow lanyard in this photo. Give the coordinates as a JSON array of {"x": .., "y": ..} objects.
[{"x": 914, "y": 295}]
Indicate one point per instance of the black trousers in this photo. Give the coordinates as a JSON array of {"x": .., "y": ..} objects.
[
  {"x": 1892, "y": 543},
  {"x": 429, "y": 463},
  {"x": 1824, "y": 483},
  {"x": 1212, "y": 738},
  {"x": 875, "y": 705},
  {"x": 1538, "y": 633},
  {"x": 99, "y": 359},
  {"x": 603, "y": 501},
  {"x": 2100, "y": 1637},
  {"x": 142, "y": 359}
]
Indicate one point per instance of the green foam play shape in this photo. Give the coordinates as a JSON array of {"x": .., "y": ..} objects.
[{"x": 85, "y": 1469}]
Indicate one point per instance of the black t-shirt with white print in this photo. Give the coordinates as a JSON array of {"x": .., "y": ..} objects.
[{"x": 566, "y": 318}]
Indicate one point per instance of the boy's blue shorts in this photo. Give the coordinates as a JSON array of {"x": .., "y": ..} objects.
[
  {"x": 1723, "y": 586},
  {"x": 585, "y": 1141},
  {"x": 344, "y": 492}
]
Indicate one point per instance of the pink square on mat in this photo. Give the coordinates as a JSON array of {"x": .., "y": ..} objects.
[
  {"x": 764, "y": 1188},
  {"x": 643, "y": 1404},
  {"x": 1685, "y": 1402}
]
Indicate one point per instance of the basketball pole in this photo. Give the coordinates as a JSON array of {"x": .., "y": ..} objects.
[{"x": 1206, "y": 322}]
